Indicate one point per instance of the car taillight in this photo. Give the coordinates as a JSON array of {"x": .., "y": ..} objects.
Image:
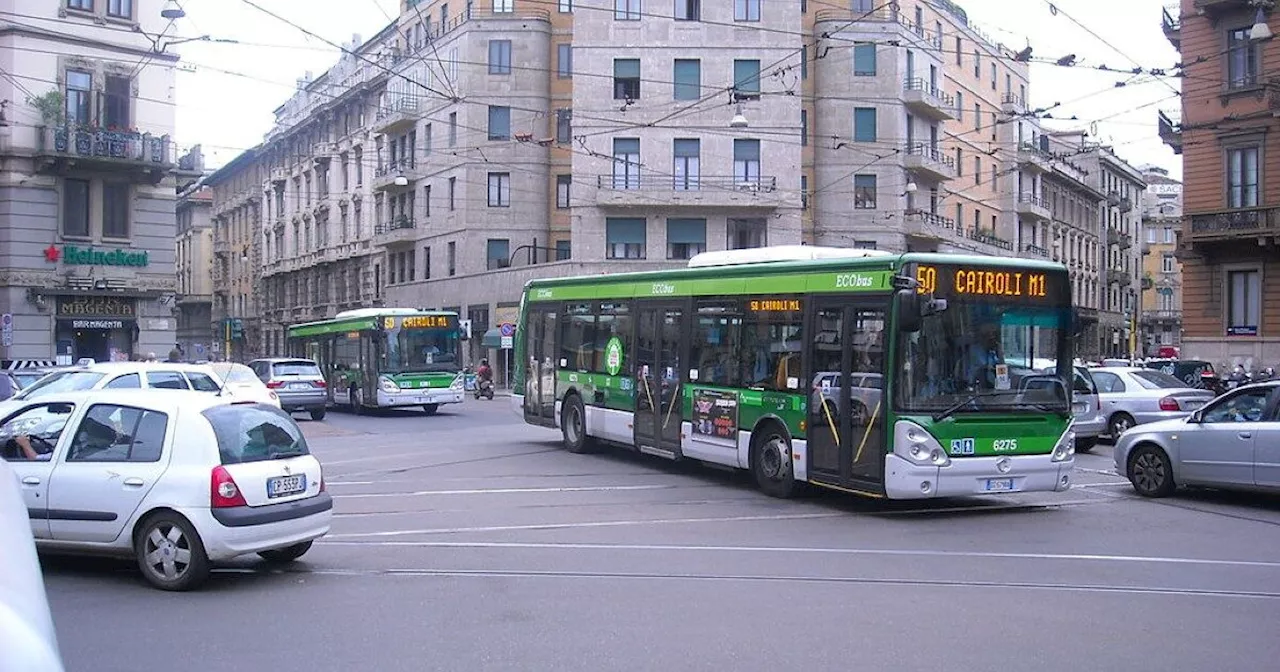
[
  {"x": 320, "y": 383},
  {"x": 1169, "y": 404},
  {"x": 275, "y": 384},
  {"x": 223, "y": 491}
]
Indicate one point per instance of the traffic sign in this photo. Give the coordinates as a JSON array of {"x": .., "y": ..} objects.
[
  {"x": 508, "y": 342},
  {"x": 508, "y": 329},
  {"x": 6, "y": 329}
]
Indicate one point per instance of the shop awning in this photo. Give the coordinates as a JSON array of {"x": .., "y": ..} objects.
[{"x": 492, "y": 338}]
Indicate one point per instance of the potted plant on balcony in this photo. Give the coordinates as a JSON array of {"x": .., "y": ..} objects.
[{"x": 51, "y": 107}]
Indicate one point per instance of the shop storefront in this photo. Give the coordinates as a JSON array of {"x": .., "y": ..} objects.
[{"x": 102, "y": 328}]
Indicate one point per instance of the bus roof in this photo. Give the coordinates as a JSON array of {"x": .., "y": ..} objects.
[
  {"x": 381, "y": 312},
  {"x": 818, "y": 262},
  {"x": 356, "y": 320}
]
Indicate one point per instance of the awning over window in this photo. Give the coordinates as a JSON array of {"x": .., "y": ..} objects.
[{"x": 687, "y": 231}]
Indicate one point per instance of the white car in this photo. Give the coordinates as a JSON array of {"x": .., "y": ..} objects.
[
  {"x": 28, "y": 641},
  {"x": 144, "y": 375},
  {"x": 241, "y": 382},
  {"x": 105, "y": 472}
]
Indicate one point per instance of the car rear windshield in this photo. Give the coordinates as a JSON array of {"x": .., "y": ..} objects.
[
  {"x": 301, "y": 368},
  {"x": 1155, "y": 380},
  {"x": 255, "y": 432},
  {"x": 65, "y": 381},
  {"x": 235, "y": 374}
]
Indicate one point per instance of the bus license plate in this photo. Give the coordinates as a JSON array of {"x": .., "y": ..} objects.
[
  {"x": 999, "y": 484},
  {"x": 283, "y": 486}
]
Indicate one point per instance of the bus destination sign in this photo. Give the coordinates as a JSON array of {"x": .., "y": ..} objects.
[
  {"x": 963, "y": 282},
  {"x": 427, "y": 322},
  {"x": 774, "y": 305}
]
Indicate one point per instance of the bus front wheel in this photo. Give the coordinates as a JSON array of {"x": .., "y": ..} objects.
[
  {"x": 771, "y": 462},
  {"x": 573, "y": 426}
]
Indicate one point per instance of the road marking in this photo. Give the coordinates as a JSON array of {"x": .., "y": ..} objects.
[
  {"x": 742, "y": 578},
  {"x": 566, "y": 526},
  {"x": 809, "y": 550},
  {"x": 369, "y": 458},
  {"x": 507, "y": 491}
]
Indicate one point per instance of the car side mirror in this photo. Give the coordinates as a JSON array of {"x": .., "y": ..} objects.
[{"x": 1195, "y": 418}]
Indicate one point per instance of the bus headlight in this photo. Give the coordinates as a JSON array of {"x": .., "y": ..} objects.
[
  {"x": 914, "y": 444},
  {"x": 1065, "y": 448},
  {"x": 388, "y": 385},
  {"x": 457, "y": 384}
]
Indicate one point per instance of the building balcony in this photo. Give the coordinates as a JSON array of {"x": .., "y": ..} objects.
[
  {"x": 1012, "y": 103},
  {"x": 989, "y": 238},
  {"x": 1171, "y": 21},
  {"x": 1034, "y": 158},
  {"x": 221, "y": 247},
  {"x": 1116, "y": 237},
  {"x": 323, "y": 151},
  {"x": 279, "y": 174},
  {"x": 1165, "y": 315},
  {"x": 400, "y": 112},
  {"x": 1170, "y": 133},
  {"x": 386, "y": 175},
  {"x": 1035, "y": 250},
  {"x": 1233, "y": 225},
  {"x": 1217, "y": 8},
  {"x": 475, "y": 12},
  {"x": 931, "y": 225},
  {"x": 1033, "y": 207},
  {"x": 714, "y": 191},
  {"x": 396, "y": 230},
  {"x": 193, "y": 299},
  {"x": 928, "y": 161},
  {"x": 928, "y": 100},
  {"x": 1119, "y": 277},
  {"x": 62, "y": 148}
]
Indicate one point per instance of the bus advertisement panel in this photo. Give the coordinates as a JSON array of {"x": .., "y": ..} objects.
[
  {"x": 899, "y": 376},
  {"x": 386, "y": 357}
]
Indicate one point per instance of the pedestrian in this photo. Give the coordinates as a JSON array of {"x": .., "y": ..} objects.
[
  {"x": 151, "y": 356},
  {"x": 174, "y": 356}
]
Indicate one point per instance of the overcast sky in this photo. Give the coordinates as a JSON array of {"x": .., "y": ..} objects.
[{"x": 227, "y": 113}]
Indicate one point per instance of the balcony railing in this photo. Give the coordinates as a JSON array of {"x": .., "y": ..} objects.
[
  {"x": 989, "y": 238},
  {"x": 922, "y": 156},
  {"x": 1012, "y": 103},
  {"x": 642, "y": 190},
  {"x": 1242, "y": 223},
  {"x": 120, "y": 148},
  {"x": 1162, "y": 314},
  {"x": 1036, "y": 250},
  {"x": 1171, "y": 22},
  {"x": 1117, "y": 237},
  {"x": 928, "y": 99}
]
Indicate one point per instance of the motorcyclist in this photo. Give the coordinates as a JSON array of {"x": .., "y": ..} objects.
[{"x": 484, "y": 374}]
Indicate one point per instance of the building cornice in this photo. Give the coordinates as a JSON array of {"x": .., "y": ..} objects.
[{"x": 87, "y": 42}]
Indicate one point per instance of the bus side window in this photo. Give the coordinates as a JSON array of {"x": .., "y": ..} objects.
[{"x": 578, "y": 337}]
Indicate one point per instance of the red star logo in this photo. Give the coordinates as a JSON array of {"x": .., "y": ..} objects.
[{"x": 51, "y": 254}]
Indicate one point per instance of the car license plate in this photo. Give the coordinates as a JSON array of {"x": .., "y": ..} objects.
[
  {"x": 283, "y": 486},
  {"x": 999, "y": 484},
  {"x": 298, "y": 386}
]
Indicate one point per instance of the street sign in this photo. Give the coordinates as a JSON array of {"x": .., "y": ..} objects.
[
  {"x": 508, "y": 330},
  {"x": 6, "y": 329},
  {"x": 508, "y": 342}
]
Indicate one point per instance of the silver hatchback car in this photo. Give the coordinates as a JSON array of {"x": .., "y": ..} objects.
[{"x": 298, "y": 382}]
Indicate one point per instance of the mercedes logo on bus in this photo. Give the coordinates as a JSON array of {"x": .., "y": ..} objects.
[{"x": 1003, "y": 464}]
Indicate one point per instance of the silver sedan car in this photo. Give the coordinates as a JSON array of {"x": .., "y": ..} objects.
[
  {"x": 1232, "y": 443},
  {"x": 1135, "y": 396}
]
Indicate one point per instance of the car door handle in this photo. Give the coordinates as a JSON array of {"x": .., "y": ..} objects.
[
  {"x": 1246, "y": 435},
  {"x": 31, "y": 480},
  {"x": 133, "y": 482}
]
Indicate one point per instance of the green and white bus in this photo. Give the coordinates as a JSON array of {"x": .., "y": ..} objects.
[
  {"x": 895, "y": 376},
  {"x": 386, "y": 357}
]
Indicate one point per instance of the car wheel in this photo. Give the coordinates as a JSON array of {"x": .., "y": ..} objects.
[
  {"x": 170, "y": 553},
  {"x": 430, "y": 409},
  {"x": 1151, "y": 472},
  {"x": 1119, "y": 424},
  {"x": 318, "y": 414},
  {"x": 573, "y": 426},
  {"x": 771, "y": 463},
  {"x": 287, "y": 554}
]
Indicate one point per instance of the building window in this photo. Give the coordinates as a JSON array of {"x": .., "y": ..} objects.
[
  {"x": 864, "y": 244},
  {"x": 1167, "y": 264},
  {"x": 1169, "y": 234},
  {"x": 686, "y": 237},
  {"x": 564, "y": 61},
  {"x": 565, "y": 6},
  {"x": 864, "y": 59},
  {"x": 977, "y": 64},
  {"x": 115, "y": 104},
  {"x": 804, "y": 127},
  {"x": 864, "y": 124},
  {"x": 1244, "y": 302},
  {"x": 500, "y": 56},
  {"x": 426, "y": 201},
  {"x": 804, "y": 192},
  {"x": 412, "y": 263},
  {"x": 746, "y": 10},
  {"x": 85, "y": 5},
  {"x": 977, "y": 170},
  {"x": 959, "y": 106},
  {"x": 452, "y": 258},
  {"x": 959, "y": 164},
  {"x": 453, "y": 193},
  {"x": 499, "y": 190},
  {"x": 503, "y": 6},
  {"x": 686, "y": 153},
  {"x": 1242, "y": 177},
  {"x": 497, "y": 253},
  {"x": 746, "y": 233},
  {"x": 994, "y": 76},
  {"x": 626, "y": 163},
  {"x": 687, "y": 76},
  {"x": 563, "y": 185},
  {"x": 864, "y": 192},
  {"x": 746, "y": 79},
  {"x": 624, "y": 237},
  {"x": 688, "y": 10},
  {"x": 959, "y": 48},
  {"x": 426, "y": 262},
  {"x": 79, "y": 98},
  {"x": 75, "y": 208},
  {"x": 453, "y": 129},
  {"x": 626, "y": 78},
  {"x": 499, "y": 122},
  {"x": 1242, "y": 59},
  {"x": 115, "y": 210},
  {"x": 746, "y": 161},
  {"x": 563, "y": 250},
  {"x": 626, "y": 10},
  {"x": 564, "y": 126}
]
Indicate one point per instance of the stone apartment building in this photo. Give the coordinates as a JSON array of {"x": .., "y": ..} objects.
[
  {"x": 235, "y": 322},
  {"x": 193, "y": 263},
  {"x": 88, "y": 186},
  {"x": 1161, "y": 270}
]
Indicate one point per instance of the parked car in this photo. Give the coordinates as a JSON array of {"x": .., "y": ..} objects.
[
  {"x": 105, "y": 472},
  {"x": 240, "y": 382},
  {"x": 124, "y": 375},
  {"x": 1233, "y": 443},
  {"x": 1193, "y": 372},
  {"x": 864, "y": 397},
  {"x": 1134, "y": 396},
  {"x": 299, "y": 383},
  {"x": 1086, "y": 408},
  {"x": 28, "y": 641},
  {"x": 26, "y": 377}
]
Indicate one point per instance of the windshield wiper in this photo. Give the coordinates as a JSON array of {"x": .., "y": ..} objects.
[{"x": 951, "y": 410}]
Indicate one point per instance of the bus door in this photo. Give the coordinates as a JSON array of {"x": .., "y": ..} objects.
[
  {"x": 660, "y": 374},
  {"x": 847, "y": 351},
  {"x": 541, "y": 350}
]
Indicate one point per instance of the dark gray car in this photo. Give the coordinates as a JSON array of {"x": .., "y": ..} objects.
[{"x": 298, "y": 382}]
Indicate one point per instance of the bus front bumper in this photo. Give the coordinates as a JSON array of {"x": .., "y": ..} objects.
[
  {"x": 419, "y": 397},
  {"x": 969, "y": 476}
]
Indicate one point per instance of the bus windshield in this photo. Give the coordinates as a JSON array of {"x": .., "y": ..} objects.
[
  {"x": 422, "y": 350},
  {"x": 986, "y": 355}
]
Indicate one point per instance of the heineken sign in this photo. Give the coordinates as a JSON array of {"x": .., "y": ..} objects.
[{"x": 73, "y": 255}]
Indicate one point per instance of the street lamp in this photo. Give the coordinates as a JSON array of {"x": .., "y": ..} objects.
[
  {"x": 739, "y": 120},
  {"x": 172, "y": 11},
  {"x": 1260, "y": 29}
]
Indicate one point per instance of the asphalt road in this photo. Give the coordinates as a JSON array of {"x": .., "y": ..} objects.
[{"x": 470, "y": 541}]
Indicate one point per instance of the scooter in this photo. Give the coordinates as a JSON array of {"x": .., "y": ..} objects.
[{"x": 484, "y": 388}]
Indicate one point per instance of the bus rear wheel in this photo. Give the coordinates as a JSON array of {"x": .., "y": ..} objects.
[
  {"x": 573, "y": 426},
  {"x": 430, "y": 409},
  {"x": 771, "y": 462}
]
